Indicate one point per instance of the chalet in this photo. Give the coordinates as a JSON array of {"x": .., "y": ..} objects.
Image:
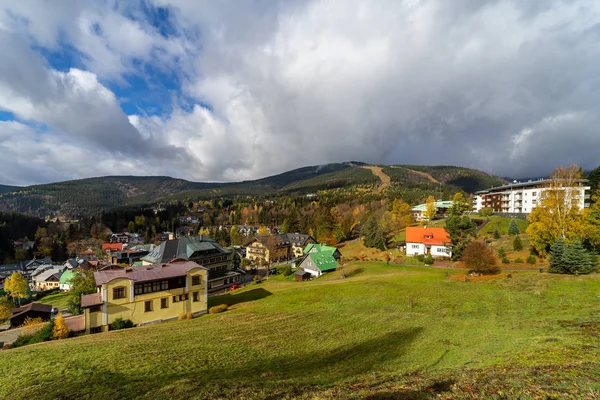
[
  {"x": 31, "y": 310},
  {"x": 440, "y": 206},
  {"x": 219, "y": 262},
  {"x": 148, "y": 294},
  {"x": 427, "y": 240},
  {"x": 298, "y": 242},
  {"x": 48, "y": 279},
  {"x": 269, "y": 248},
  {"x": 318, "y": 259}
]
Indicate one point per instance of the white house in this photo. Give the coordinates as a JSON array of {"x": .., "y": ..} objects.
[{"x": 427, "y": 240}]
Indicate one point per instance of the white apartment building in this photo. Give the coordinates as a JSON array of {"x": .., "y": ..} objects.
[{"x": 523, "y": 197}]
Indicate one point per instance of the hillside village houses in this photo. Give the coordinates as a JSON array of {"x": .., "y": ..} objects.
[
  {"x": 148, "y": 294},
  {"x": 318, "y": 259},
  {"x": 277, "y": 247},
  {"x": 441, "y": 207},
  {"x": 428, "y": 240},
  {"x": 523, "y": 197}
]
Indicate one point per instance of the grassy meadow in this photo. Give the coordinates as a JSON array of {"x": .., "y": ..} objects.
[
  {"x": 383, "y": 332},
  {"x": 58, "y": 300}
]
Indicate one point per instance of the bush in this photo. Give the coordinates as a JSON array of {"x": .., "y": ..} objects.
[
  {"x": 286, "y": 271},
  {"x": 42, "y": 335},
  {"x": 531, "y": 259},
  {"x": 189, "y": 315},
  {"x": 518, "y": 260},
  {"x": 218, "y": 309},
  {"x": 501, "y": 252},
  {"x": 428, "y": 259},
  {"x": 517, "y": 243},
  {"x": 505, "y": 260},
  {"x": 420, "y": 257},
  {"x": 478, "y": 257},
  {"x": 181, "y": 316},
  {"x": 496, "y": 233},
  {"x": 121, "y": 323},
  {"x": 257, "y": 279}
]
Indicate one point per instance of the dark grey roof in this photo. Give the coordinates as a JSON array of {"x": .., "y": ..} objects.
[
  {"x": 299, "y": 239},
  {"x": 524, "y": 184},
  {"x": 186, "y": 248}
]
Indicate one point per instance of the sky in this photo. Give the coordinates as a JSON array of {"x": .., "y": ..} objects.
[{"x": 237, "y": 89}]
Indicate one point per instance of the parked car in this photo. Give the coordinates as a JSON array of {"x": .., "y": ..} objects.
[
  {"x": 273, "y": 271},
  {"x": 54, "y": 310},
  {"x": 233, "y": 287}
]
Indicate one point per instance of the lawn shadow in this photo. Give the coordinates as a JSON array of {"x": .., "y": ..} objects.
[
  {"x": 241, "y": 297},
  {"x": 354, "y": 272}
]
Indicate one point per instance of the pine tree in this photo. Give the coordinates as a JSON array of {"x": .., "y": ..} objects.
[
  {"x": 60, "y": 330},
  {"x": 557, "y": 252},
  {"x": 373, "y": 235},
  {"x": 513, "y": 228},
  {"x": 576, "y": 259},
  {"x": 496, "y": 233},
  {"x": 517, "y": 243}
]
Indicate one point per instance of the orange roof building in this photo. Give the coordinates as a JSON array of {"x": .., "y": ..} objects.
[{"x": 427, "y": 240}]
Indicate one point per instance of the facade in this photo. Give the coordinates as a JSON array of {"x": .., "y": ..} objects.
[
  {"x": 523, "y": 197},
  {"x": 31, "y": 310},
  {"x": 127, "y": 256},
  {"x": 426, "y": 240},
  {"x": 318, "y": 259},
  {"x": 48, "y": 279},
  {"x": 298, "y": 242},
  {"x": 441, "y": 207},
  {"x": 269, "y": 248},
  {"x": 219, "y": 262},
  {"x": 145, "y": 295}
]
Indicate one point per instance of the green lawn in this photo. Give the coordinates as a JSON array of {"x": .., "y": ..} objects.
[
  {"x": 383, "y": 332},
  {"x": 58, "y": 300},
  {"x": 502, "y": 223}
]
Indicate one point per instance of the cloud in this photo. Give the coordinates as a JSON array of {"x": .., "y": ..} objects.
[{"x": 503, "y": 86}]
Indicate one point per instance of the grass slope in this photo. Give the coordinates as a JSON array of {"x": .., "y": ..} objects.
[
  {"x": 58, "y": 300},
  {"x": 359, "y": 337}
]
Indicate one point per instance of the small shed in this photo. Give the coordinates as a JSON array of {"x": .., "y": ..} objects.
[
  {"x": 31, "y": 310},
  {"x": 302, "y": 275}
]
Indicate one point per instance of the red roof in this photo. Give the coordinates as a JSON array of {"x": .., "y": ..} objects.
[
  {"x": 427, "y": 235},
  {"x": 112, "y": 246}
]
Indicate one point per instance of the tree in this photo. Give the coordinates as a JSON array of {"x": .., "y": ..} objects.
[
  {"x": 517, "y": 243},
  {"x": 594, "y": 179},
  {"x": 373, "y": 235},
  {"x": 557, "y": 252},
  {"x": 5, "y": 308},
  {"x": 496, "y": 233},
  {"x": 235, "y": 235},
  {"x": 513, "y": 228},
  {"x": 430, "y": 208},
  {"x": 60, "y": 330},
  {"x": 486, "y": 212},
  {"x": 17, "y": 286},
  {"x": 571, "y": 259},
  {"x": 131, "y": 227},
  {"x": 459, "y": 205},
  {"x": 478, "y": 257},
  {"x": 501, "y": 252},
  {"x": 461, "y": 230},
  {"x": 82, "y": 283},
  {"x": 592, "y": 223},
  {"x": 263, "y": 230},
  {"x": 557, "y": 215}
]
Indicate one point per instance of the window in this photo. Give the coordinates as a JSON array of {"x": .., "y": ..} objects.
[
  {"x": 415, "y": 246},
  {"x": 164, "y": 302},
  {"x": 175, "y": 299},
  {"x": 195, "y": 296},
  {"x": 118, "y": 293},
  {"x": 96, "y": 309},
  {"x": 195, "y": 280},
  {"x": 148, "y": 306},
  {"x": 534, "y": 194}
]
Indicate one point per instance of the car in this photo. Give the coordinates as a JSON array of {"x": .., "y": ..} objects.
[
  {"x": 273, "y": 271},
  {"x": 54, "y": 310},
  {"x": 233, "y": 287}
]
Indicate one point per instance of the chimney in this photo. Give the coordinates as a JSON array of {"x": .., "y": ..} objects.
[{"x": 127, "y": 270}]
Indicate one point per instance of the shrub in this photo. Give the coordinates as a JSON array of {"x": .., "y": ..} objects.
[
  {"x": 286, "y": 271},
  {"x": 486, "y": 212},
  {"x": 42, "y": 335},
  {"x": 518, "y": 260},
  {"x": 189, "y": 315},
  {"x": 501, "y": 252},
  {"x": 531, "y": 259},
  {"x": 257, "y": 279},
  {"x": 505, "y": 260},
  {"x": 218, "y": 309},
  {"x": 60, "y": 330},
  {"x": 428, "y": 259},
  {"x": 478, "y": 257},
  {"x": 496, "y": 233},
  {"x": 181, "y": 316},
  {"x": 513, "y": 228},
  {"x": 32, "y": 325},
  {"x": 420, "y": 257},
  {"x": 517, "y": 243},
  {"x": 120, "y": 323}
]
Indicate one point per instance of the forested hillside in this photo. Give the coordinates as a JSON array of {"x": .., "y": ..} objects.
[{"x": 92, "y": 196}]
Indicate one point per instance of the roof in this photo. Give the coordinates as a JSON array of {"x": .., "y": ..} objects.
[
  {"x": 301, "y": 272},
  {"x": 49, "y": 273},
  {"x": 90, "y": 300},
  {"x": 525, "y": 184},
  {"x": 112, "y": 246},
  {"x": 427, "y": 235},
  {"x": 31, "y": 307},
  {"x": 186, "y": 247},
  {"x": 65, "y": 278},
  {"x": 299, "y": 239},
  {"x": 324, "y": 260},
  {"x": 438, "y": 204},
  {"x": 280, "y": 240},
  {"x": 147, "y": 273},
  {"x": 319, "y": 247}
]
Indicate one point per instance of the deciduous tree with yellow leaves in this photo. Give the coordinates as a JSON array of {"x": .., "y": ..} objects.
[
  {"x": 430, "y": 208},
  {"x": 60, "y": 330}
]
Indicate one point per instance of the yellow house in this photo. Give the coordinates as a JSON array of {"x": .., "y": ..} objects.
[
  {"x": 147, "y": 294},
  {"x": 269, "y": 248}
]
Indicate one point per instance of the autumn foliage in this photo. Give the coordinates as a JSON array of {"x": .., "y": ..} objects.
[{"x": 478, "y": 257}]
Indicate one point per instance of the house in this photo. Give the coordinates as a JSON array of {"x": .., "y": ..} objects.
[
  {"x": 319, "y": 259},
  {"x": 108, "y": 248},
  {"x": 202, "y": 249},
  {"x": 164, "y": 236},
  {"x": 440, "y": 206},
  {"x": 31, "y": 310},
  {"x": 428, "y": 240},
  {"x": 64, "y": 283},
  {"x": 269, "y": 248},
  {"x": 148, "y": 294},
  {"x": 298, "y": 242},
  {"x": 523, "y": 197},
  {"x": 127, "y": 256},
  {"x": 48, "y": 279}
]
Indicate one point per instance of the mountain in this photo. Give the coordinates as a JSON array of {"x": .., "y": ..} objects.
[
  {"x": 93, "y": 195},
  {"x": 8, "y": 189}
]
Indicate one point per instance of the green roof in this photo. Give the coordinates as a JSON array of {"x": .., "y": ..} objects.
[
  {"x": 438, "y": 204},
  {"x": 324, "y": 260},
  {"x": 66, "y": 277},
  {"x": 319, "y": 247}
]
